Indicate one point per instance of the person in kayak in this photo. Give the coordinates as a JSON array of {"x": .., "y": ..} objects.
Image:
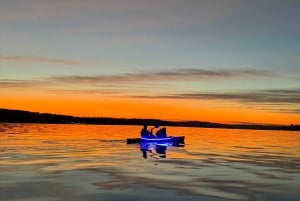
[
  {"x": 145, "y": 133},
  {"x": 155, "y": 127},
  {"x": 161, "y": 133}
]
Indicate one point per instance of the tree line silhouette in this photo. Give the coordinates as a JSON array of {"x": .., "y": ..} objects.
[{"x": 20, "y": 116}]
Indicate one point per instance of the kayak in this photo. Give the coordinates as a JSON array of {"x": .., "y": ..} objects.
[{"x": 170, "y": 139}]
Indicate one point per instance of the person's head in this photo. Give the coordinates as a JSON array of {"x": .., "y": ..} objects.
[{"x": 145, "y": 126}]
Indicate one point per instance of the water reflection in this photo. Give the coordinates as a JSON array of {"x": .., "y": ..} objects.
[
  {"x": 156, "y": 150},
  {"x": 89, "y": 162}
]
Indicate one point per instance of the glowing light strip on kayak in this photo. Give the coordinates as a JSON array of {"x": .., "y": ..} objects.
[
  {"x": 164, "y": 144},
  {"x": 156, "y": 139}
]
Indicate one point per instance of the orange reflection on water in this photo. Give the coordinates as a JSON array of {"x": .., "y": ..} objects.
[
  {"x": 110, "y": 141},
  {"x": 62, "y": 146},
  {"x": 82, "y": 156},
  {"x": 234, "y": 141}
]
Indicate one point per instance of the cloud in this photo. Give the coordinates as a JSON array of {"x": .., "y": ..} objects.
[
  {"x": 118, "y": 22},
  {"x": 280, "y": 100},
  {"x": 135, "y": 12},
  {"x": 263, "y": 96},
  {"x": 279, "y": 96},
  {"x": 39, "y": 59},
  {"x": 180, "y": 74},
  {"x": 88, "y": 91},
  {"x": 8, "y": 83}
]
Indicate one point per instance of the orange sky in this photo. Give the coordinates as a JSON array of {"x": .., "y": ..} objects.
[{"x": 166, "y": 109}]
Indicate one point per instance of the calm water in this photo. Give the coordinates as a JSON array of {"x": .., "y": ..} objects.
[{"x": 93, "y": 163}]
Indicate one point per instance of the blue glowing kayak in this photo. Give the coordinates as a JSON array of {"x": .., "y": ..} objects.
[{"x": 170, "y": 139}]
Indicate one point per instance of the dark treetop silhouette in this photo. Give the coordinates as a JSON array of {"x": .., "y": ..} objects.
[{"x": 19, "y": 116}]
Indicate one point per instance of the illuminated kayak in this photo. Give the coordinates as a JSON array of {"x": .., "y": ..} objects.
[{"x": 170, "y": 139}]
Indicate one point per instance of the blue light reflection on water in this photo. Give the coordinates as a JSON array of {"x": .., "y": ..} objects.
[{"x": 88, "y": 162}]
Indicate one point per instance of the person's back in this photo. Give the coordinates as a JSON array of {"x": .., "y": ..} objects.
[
  {"x": 144, "y": 132},
  {"x": 161, "y": 133}
]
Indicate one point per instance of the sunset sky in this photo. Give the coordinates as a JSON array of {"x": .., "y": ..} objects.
[{"x": 208, "y": 60}]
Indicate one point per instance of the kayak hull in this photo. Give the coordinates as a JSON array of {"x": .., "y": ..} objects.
[{"x": 171, "y": 139}]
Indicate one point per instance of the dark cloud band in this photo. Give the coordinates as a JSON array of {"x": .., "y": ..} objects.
[
  {"x": 43, "y": 60},
  {"x": 181, "y": 74}
]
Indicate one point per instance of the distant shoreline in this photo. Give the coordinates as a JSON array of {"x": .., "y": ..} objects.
[{"x": 21, "y": 116}]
